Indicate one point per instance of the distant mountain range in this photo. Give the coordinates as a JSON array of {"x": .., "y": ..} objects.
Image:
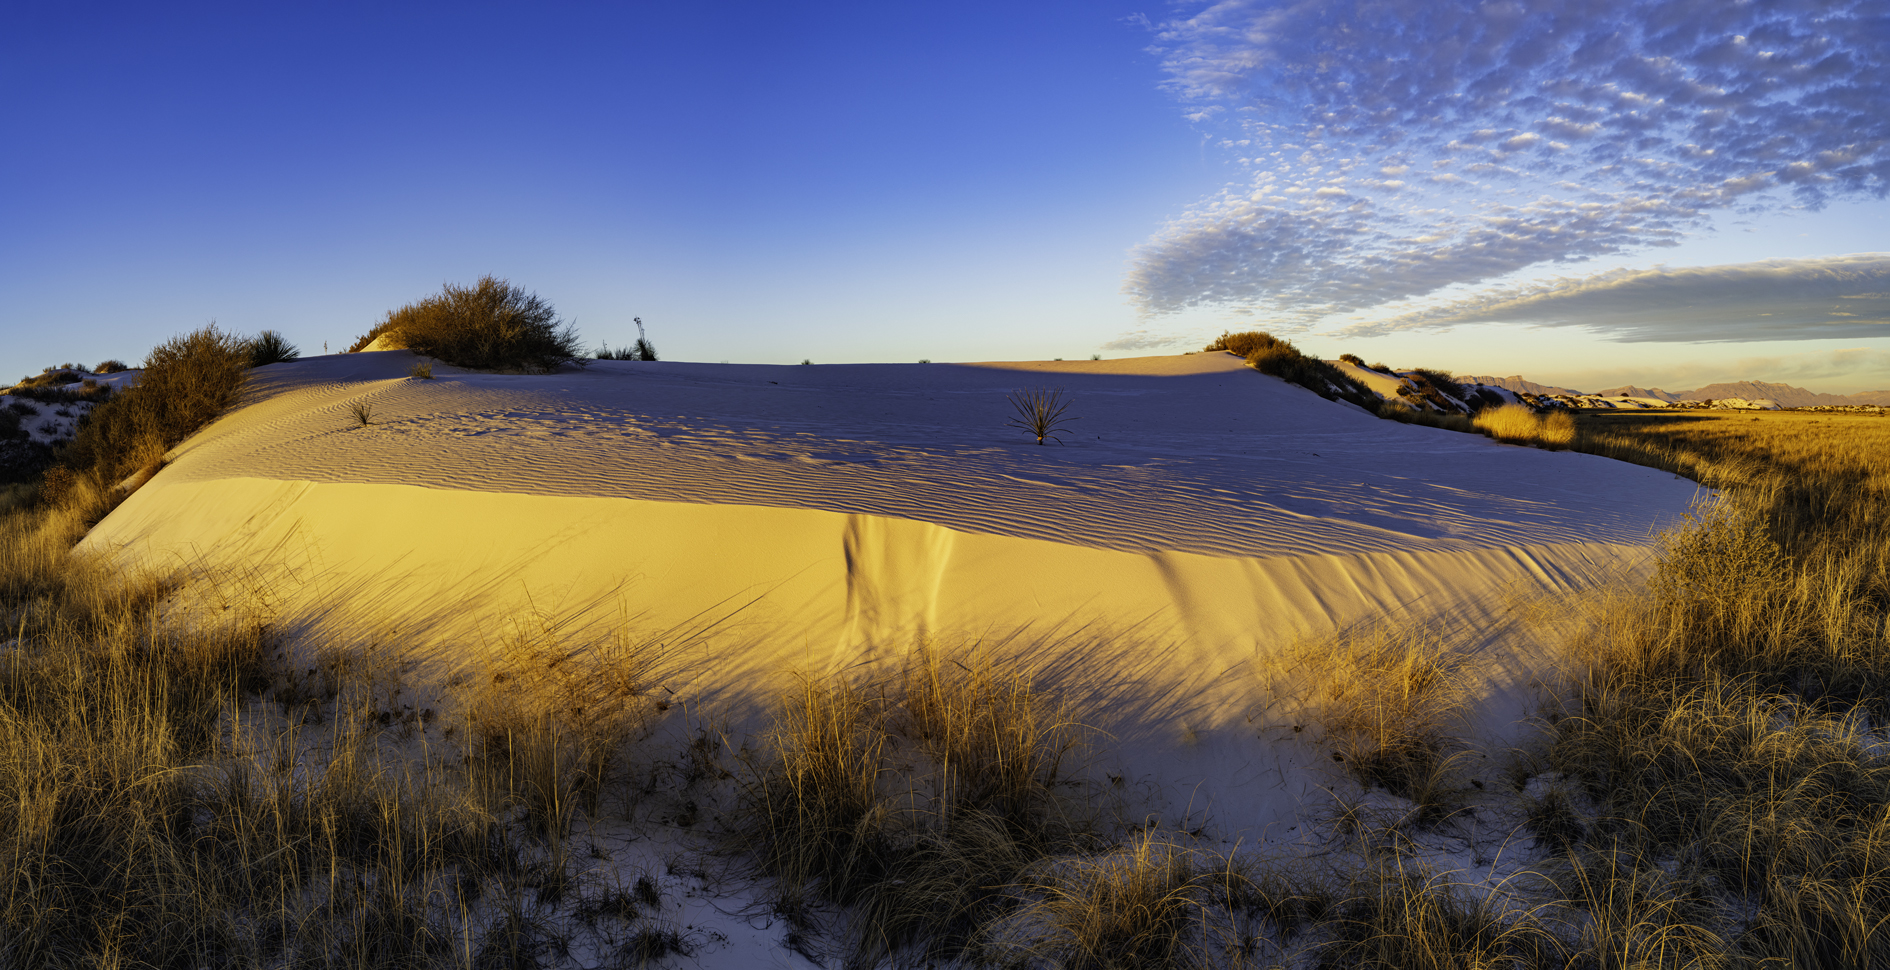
[
  {"x": 1520, "y": 386},
  {"x": 1785, "y": 394}
]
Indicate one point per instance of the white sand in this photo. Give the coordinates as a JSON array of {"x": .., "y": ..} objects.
[{"x": 760, "y": 520}]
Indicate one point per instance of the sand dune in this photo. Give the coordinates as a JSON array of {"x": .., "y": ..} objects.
[{"x": 758, "y": 519}]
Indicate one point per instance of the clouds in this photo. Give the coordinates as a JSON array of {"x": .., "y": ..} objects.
[
  {"x": 1401, "y": 146},
  {"x": 1839, "y": 297}
]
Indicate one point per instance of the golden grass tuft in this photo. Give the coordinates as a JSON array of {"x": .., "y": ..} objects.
[
  {"x": 1519, "y": 424},
  {"x": 915, "y": 801}
]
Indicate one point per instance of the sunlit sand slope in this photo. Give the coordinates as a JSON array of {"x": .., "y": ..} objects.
[{"x": 760, "y": 520}]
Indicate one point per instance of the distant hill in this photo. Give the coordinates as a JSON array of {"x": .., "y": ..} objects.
[
  {"x": 1516, "y": 383},
  {"x": 1785, "y": 394},
  {"x": 1653, "y": 392}
]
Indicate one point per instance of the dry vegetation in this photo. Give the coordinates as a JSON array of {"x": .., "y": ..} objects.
[
  {"x": 490, "y": 325},
  {"x": 1715, "y": 791}
]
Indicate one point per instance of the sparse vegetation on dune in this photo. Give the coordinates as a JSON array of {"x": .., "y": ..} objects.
[
  {"x": 1271, "y": 355},
  {"x": 915, "y": 804},
  {"x": 491, "y": 325},
  {"x": 1713, "y": 789}
]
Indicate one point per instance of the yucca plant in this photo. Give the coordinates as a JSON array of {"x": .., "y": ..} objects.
[
  {"x": 1040, "y": 412},
  {"x": 271, "y": 347}
]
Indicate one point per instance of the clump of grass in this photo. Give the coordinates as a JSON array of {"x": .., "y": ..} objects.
[
  {"x": 362, "y": 412},
  {"x": 922, "y": 850},
  {"x": 1399, "y": 915},
  {"x": 111, "y": 366},
  {"x": 491, "y": 325},
  {"x": 1040, "y": 412},
  {"x": 549, "y": 721},
  {"x": 1520, "y": 424},
  {"x": 149, "y": 824},
  {"x": 271, "y": 347},
  {"x": 1387, "y": 697},
  {"x": 422, "y": 371}
]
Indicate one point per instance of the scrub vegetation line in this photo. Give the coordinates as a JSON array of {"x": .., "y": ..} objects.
[{"x": 1711, "y": 790}]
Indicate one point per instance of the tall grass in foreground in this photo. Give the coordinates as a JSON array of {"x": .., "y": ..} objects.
[
  {"x": 915, "y": 803},
  {"x": 1730, "y": 722},
  {"x": 177, "y": 796}
]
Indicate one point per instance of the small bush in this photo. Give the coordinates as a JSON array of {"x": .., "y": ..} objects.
[
  {"x": 1353, "y": 359},
  {"x": 422, "y": 371},
  {"x": 1438, "y": 388},
  {"x": 491, "y": 325},
  {"x": 271, "y": 347},
  {"x": 1246, "y": 342},
  {"x": 111, "y": 366},
  {"x": 188, "y": 381}
]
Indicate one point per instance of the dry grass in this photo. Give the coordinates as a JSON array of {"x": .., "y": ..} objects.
[
  {"x": 1519, "y": 424},
  {"x": 549, "y": 724},
  {"x": 178, "y": 794},
  {"x": 915, "y": 803},
  {"x": 1386, "y": 698},
  {"x": 1729, "y": 721}
]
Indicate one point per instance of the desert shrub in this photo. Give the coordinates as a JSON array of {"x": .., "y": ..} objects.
[
  {"x": 87, "y": 392},
  {"x": 111, "y": 366},
  {"x": 1271, "y": 355},
  {"x": 271, "y": 347},
  {"x": 1353, "y": 359},
  {"x": 421, "y": 371},
  {"x": 491, "y": 325},
  {"x": 1246, "y": 342},
  {"x": 1405, "y": 414},
  {"x": 188, "y": 381},
  {"x": 1441, "y": 380}
]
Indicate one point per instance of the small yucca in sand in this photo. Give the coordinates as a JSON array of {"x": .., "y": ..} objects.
[{"x": 1040, "y": 412}]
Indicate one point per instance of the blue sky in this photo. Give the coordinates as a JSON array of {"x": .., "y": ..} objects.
[{"x": 1586, "y": 194}]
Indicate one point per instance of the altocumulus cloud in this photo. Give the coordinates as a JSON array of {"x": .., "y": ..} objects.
[
  {"x": 1401, "y": 146},
  {"x": 1839, "y": 297}
]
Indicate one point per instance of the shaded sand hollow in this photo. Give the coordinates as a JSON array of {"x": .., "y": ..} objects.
[{"x": 748, "y": 522}]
